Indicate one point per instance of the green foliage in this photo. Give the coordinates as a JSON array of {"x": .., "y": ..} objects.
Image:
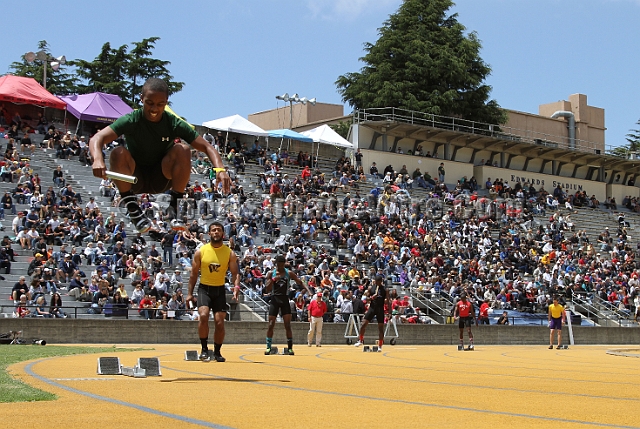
[
  {"x": 118, "y": 71},
  {"x": 14, "y": 390},
  {"x": 423, "y": 61},
  {"x": 58, "y": 82},
  {"x": 342, "y": 128},
  {"x": 634, "y": 139},
  {"x": 123, "y": 72}
]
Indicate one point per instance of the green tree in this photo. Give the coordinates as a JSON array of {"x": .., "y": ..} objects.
[
  {"x": 423, "y": 61},
  {"x": 634, "y": 139},
  {"x": 58, "y": 81},
  {"x": 141, "y": 67},
  {"x": 106, "y": 73},
  {"x": 634, "y": 144},
  {"x": 342, "y": 128},
  {"x": 123, "y": 72}
]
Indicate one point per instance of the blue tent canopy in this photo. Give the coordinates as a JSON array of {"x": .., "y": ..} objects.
[{"x": 288, "y": 134}]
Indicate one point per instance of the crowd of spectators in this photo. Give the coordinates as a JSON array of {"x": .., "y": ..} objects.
[{"x": 449, "y": 240}]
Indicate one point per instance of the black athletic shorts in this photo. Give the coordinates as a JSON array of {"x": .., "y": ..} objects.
[
  {"x": 150, "y": 180},
  {"x": 465, "y": 322},
  {"x": 279, "y": 304},
  {"x": 376, "y": 311},
  {"x": 214, "y": 297}
]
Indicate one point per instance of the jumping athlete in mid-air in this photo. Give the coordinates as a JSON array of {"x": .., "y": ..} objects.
[{"x": 151, "y": 154}]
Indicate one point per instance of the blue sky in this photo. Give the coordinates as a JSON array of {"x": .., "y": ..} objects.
[{"x": 235, "y": 56}]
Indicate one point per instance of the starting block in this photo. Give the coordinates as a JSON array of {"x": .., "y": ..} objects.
[
  {"x": 191, "y": 355},
  {"x": 109, "y": 366},
  {"x": 373, "y": 349},
  {"x": 135, "y": 372},
  {"x": 150, "y": 365}
]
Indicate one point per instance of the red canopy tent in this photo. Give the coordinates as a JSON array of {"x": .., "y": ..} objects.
[{"x": 25, "y": 90}]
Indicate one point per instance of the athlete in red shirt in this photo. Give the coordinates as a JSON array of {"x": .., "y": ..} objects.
[{"x": 465, "y": 313}]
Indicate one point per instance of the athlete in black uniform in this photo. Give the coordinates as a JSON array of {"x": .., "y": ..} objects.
[
  {"x": 278, "y": 280},
  {"x": 379, "y": 297}
]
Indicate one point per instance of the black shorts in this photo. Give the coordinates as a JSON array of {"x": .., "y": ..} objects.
[
  {"x": 465, "y": 322},
  {"x": 150, "y": 180},
  {"x": 376, "y": 311},
  {"x": 214, "y": 297},
  {"x": 279, "y": 304}
]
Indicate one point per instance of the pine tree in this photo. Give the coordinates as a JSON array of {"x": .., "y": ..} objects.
[{"x": 423, "y": 61}]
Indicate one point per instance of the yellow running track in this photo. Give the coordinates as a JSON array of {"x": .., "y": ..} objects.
[{"x": 341, "y": 387}]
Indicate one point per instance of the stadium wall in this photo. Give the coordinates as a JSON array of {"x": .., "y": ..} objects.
[{"x": 123, "y": 331}]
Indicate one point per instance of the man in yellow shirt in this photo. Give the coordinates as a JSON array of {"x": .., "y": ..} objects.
[
  {"x": 556, "y": 317},
  {"x": 211, "y": 262}
]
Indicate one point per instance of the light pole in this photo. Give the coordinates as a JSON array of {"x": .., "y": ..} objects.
[
  {"x": 294, "y": 99},
  {"x": 45, "y": 58}
]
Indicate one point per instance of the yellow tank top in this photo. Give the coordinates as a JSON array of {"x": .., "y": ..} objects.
[
  {"x": 556, "y": 310},
  {"x": 214, "y": 263}
]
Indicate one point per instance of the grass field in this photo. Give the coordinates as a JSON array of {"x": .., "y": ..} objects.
[{"x": 14, "y": 390}]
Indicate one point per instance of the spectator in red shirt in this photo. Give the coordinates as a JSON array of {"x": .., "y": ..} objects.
[
  {"x": 306, "y": 173},
  {"x": 484, "y": 312},
  {"x": 316, "y": 310}
]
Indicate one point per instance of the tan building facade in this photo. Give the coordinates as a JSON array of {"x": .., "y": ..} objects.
[{"x": 297, "y": 116}]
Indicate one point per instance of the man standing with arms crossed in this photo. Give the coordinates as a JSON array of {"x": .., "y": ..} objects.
[
  {"x": 316, "y": 310},
  {"x": 465, "y": 313},
  {"x": 278, "y": 280},
  {"x": 556, "y": 317},
  {"x": 379, "y": 298},
  {"x": 211, "y": 262},
  {"x": 151, "y": 154}
]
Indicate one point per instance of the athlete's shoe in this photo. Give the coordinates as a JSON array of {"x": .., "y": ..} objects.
[
  {"x": 218, "y": 358},
  {"x": 140, "y": 222},
  {"x": 129, "y": 205},
  {"x": 204, "y": 356},
  {"x": 460, "y": 347},
  {"x": 470, "y": 348},
  {"x": 550, "y": 347},
  {"x": 379, "y": 349},
  {"x": 178, "y": 225},
  {"x": 288, "y": 352},
  {"x": 559, "y": 347},
  {"x": 309, "y": 344},
  {"x": 358, "y": 343},
  {"x": 267, "y": 351}
]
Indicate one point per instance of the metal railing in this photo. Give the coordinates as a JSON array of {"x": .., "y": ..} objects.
[{"x": 398, "y": 115}]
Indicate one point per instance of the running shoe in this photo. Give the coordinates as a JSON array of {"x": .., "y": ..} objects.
[
  {"x": 288, "y": 352},
  {"x": 178, "y": 225},
  {"x": 204, "y": 356},
  {"x": 219, "y": 358},
  {"x": 358, "y": 343},
  {"x": 470, "y": 348},
  {"x": 267, "y": 351}
]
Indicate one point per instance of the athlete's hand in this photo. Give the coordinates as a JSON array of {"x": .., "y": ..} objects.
[
  {"x": 223, "y": 177},
  {"x": 235, "y": 293},
  {"x": 99, "y": 168},
  {"x": 188, "y": 299}
]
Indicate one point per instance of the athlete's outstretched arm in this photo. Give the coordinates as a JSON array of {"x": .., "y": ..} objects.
[
  {"x": 204, "y": 146},
  {"x": 299, "y": 282},
  {"x": 97, "y": 142},
  {"x": 235, "y": 274},
  {"x": 193, "y": 277}
]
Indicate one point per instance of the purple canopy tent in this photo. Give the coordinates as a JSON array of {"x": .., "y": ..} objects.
[{"x": 96, "y": 107}]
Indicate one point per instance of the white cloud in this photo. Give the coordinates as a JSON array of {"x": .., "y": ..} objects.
[{"x": 346, "y": 9}]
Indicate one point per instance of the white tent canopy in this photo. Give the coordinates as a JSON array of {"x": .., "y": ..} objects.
[
  {"x": 325, "y": 135},
  {"x": 236, "y": 124}
]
